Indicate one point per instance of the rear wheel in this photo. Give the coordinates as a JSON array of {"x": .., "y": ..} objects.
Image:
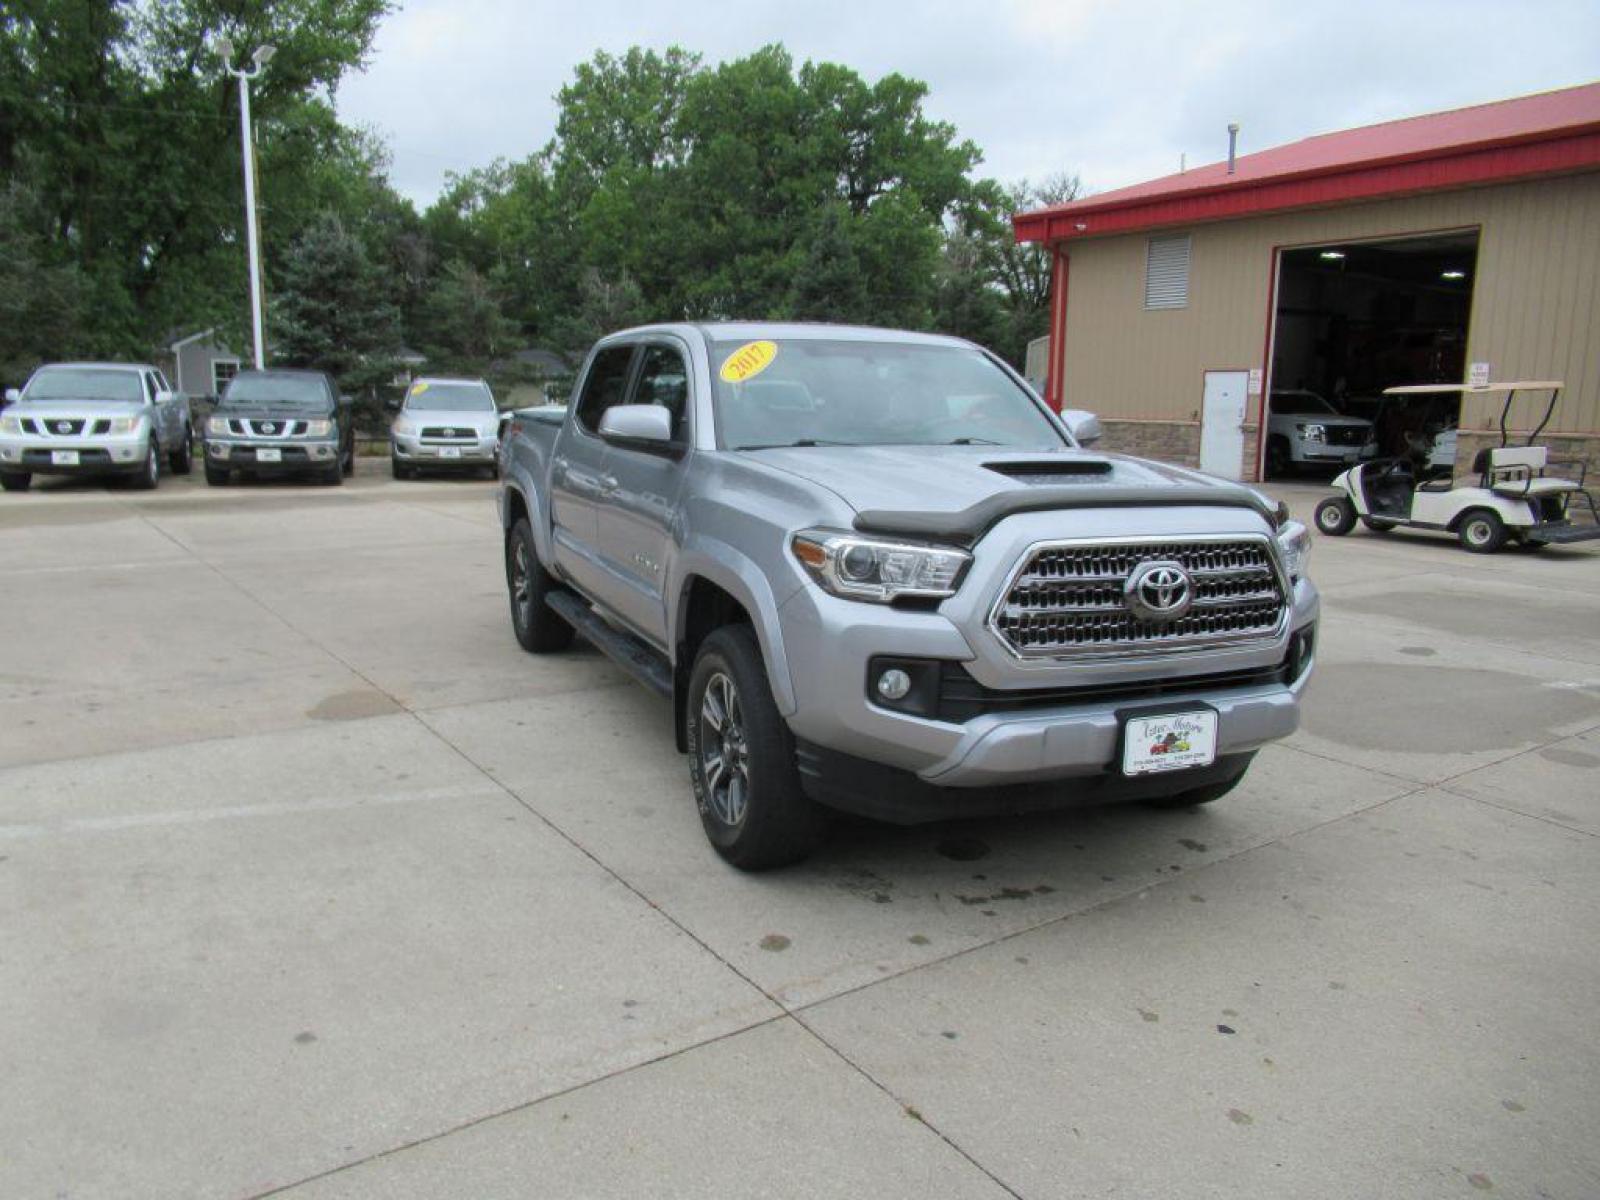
[
  {"x": 347, "y": 461},
  {"x": 742, "y": 758},
  {"x": 1377, "y": 525},
  {"x": 16, "y": 481},
  {"x": 1482, "y": 531},
  {"x": 538, "y": 628},
  {"x": 1336, "y": 516},
  {"x": 182, "y": 460}
]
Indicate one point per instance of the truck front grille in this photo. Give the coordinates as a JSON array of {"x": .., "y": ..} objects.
[
  {"x": 1346, "y": 435},
  {"x": 1069, "y": 599}
]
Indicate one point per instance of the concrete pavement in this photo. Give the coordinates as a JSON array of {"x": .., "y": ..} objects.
[{"x": 315, "y": 885}]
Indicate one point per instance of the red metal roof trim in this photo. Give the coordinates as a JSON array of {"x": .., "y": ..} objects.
[{"x": 1534, "y": 135}]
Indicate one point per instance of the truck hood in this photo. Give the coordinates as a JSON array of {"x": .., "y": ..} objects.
[
  {"x": 958, "y": 492},
  {"x": 44, "y": 410},
  {"x": 273, "y": 412},
  {"x": 1319, "y": 419}
]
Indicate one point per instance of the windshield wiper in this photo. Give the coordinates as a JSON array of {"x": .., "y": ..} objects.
[
  {"x": 973, "y": 441},
  {"x": 801, "y": 442}
]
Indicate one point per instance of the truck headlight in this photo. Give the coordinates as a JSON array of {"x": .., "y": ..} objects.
[
  {"x": 862, "y": 568},
  {"x": 404, "y": 425},
  {"x": 10, "y": 424},
  {"x": 1294, "y": 544},
  {"x": 216, "y": 426},
  {"x": 125, "y": 424},
  {"x": 1313, "y": 433},
  {"x": 318, "y": 428}
]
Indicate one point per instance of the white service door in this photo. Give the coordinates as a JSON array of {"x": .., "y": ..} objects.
[{"x": 1222, "y": 423}]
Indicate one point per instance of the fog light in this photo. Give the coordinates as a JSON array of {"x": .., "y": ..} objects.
[
  {"x": 216, "y": 450},
  {"x": 893, "y": 684}
]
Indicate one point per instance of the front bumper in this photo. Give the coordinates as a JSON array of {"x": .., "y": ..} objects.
[
  {"x": 1321, "y": 452},
  {"x": 95, "y": 456},
  {"x": 1035, "y": 721},
  {"x": 416, "y": 452},
  {"x": 298, "y": 454}
]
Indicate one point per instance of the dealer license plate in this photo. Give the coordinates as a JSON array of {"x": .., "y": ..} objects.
[
  {"x": 1169, "y": 742},
  {"x": 269, "y": 454},
  {"x": 64, "y": 458},
  {"x": 450, "y": 452}
]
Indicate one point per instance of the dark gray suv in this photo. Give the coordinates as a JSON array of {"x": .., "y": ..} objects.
[{"x": 280, "y": 422}]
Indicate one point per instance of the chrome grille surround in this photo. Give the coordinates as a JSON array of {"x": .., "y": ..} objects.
[{"x": 1065, "y": 599}]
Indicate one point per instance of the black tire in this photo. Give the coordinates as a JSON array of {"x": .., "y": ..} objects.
[
  {"x": 331, "y": 475},
  {"x": 742, "y": 759},
  {"x": 539, "y": 628},
  {"x": 217, "y": 476},
  {"x": 182, "y": 460},
  {"x": 16, "y": 481},
  {"x": 1278, "y": 458},
  {"x": 1336, "y": 516},
  {"x": 401, "y": 471},
  {"x": 1377, "y": 525},
  {"x": 1533, "y": 543},
  {"x": 149, "y": 476},
  {"x": 1481, "y": 531},
  {"x": 347, "y": 460},
  {"x": 1195, "y": 797}
]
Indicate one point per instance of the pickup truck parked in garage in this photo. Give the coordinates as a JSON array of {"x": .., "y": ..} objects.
[
  {"x": 1305, "y": 430},
  {"x": 445, "y": 425},
  {"x": 94, "y": 419},
  {"x": 874, "y": 572},
  {"x": 280, "y": 422}
]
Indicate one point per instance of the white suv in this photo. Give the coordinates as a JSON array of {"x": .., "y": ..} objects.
[{"x": 1305, "y": 430}]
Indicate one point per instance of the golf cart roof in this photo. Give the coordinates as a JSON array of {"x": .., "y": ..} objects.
[{"x": 1421, "y": 389}]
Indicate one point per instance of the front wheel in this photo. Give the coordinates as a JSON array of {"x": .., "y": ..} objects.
[
  {"x": 1277, "y": 456},
  {"x": 182, "y": 461},
  {"x": 742, "y": 758},
  {"x": 16, "y": 481},
  {"x": 216, "y": 476},
  {"x": 1195, "y": 797},
  {"x": 539, "y": 628},
  {"x": 1336, "y": 516},
  {"x": 150, "y": 473},
  {"x": 1482, "y": 531}
]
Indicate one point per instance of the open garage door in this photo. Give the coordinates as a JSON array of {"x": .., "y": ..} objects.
[{"x": 1354, "y": 318}]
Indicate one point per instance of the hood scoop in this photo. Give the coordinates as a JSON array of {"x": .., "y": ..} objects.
[{"x": 1056, "y": 472}]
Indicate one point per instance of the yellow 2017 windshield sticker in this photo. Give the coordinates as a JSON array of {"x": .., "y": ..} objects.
[
  {"x": 418, "y": 388},
  {"x": 748, "y": 361}
]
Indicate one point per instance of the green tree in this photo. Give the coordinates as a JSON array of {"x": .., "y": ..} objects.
[
  {"x": 330, "y": 310},
  {"x": 42, "y": 294},
  {"x": 463, "y": 326}
]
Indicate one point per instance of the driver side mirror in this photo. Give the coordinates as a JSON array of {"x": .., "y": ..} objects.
[
  {"x": 1083, "y": 426},
  {"x": 637, "y": 423}
]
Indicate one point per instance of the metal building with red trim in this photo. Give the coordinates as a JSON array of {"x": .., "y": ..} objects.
[{"x": 1270, "y": 272}]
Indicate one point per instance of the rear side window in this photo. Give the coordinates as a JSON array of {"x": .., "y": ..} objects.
[
  {"x": 663, "y": 380},
  {"x": 604, "y": 385}
]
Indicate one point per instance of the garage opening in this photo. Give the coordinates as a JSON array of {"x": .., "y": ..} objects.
[{"x": 1352, "y": 319}]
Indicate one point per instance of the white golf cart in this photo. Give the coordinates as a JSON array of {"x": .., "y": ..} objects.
[{"x": 1509, "y": 497}]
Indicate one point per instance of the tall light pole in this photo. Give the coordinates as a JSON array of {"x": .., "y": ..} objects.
[{"x": 261, "y": 58}]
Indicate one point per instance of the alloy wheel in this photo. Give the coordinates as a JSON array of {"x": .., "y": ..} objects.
[{"x": 724, "y": 750}]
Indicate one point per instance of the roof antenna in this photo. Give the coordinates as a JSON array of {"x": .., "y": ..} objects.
[
  {"x": 1233, "y": 144},
  {"x": 1183, "y": 163}
]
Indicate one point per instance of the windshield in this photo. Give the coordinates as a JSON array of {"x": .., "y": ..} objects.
[
  {"x": 248, "y": 387},
  {"x": 1302, "y": 404},
  {"x": 449, "y": 397},
  {"x": 800, "y": 391},
  {"x": 84, "y": 383}
]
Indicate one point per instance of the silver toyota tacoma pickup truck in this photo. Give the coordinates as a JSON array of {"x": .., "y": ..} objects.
[{"x": 874, "y": 572}]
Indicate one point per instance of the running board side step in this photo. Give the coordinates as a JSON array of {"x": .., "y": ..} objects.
[{"x": 627, "y": 651}]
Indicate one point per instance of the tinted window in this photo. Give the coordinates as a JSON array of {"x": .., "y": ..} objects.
[
  {"x": 663, "y": 380},
  {"x": 251, "y": 387},
  {"x": 85, "y": 383},
  {"x": 867, "y": 393},
  {"x": 603, "y": 386}
]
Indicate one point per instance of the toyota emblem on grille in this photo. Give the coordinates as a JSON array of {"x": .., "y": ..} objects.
[{"x": 1159, "y": 590}]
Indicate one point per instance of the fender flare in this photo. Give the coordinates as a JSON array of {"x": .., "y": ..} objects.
[
  {"x": 536, "y": 518},
  {"x": 735, "y": 573}
]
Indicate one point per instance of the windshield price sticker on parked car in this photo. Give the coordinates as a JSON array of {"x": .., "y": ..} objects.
[
  {"x": 748, "y": 361},
  {"x": 1169, "y": 742}
]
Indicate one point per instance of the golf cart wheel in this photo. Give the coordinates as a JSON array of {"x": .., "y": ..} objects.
[
  {"x": 1336, "y": 516},
  {"x": 1482, "y": 531},
  {"x": 1377, "y": 525},
  {"x": 742, "y": 759}
]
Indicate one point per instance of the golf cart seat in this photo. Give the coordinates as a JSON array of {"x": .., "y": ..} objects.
[{"x": 1518, "y": 471}]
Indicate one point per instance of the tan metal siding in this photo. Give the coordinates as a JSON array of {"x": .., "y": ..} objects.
[{"x": 1535, "y": 308}]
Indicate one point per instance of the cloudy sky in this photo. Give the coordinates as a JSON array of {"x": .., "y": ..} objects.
[{"x": 1113, "y": 91}]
